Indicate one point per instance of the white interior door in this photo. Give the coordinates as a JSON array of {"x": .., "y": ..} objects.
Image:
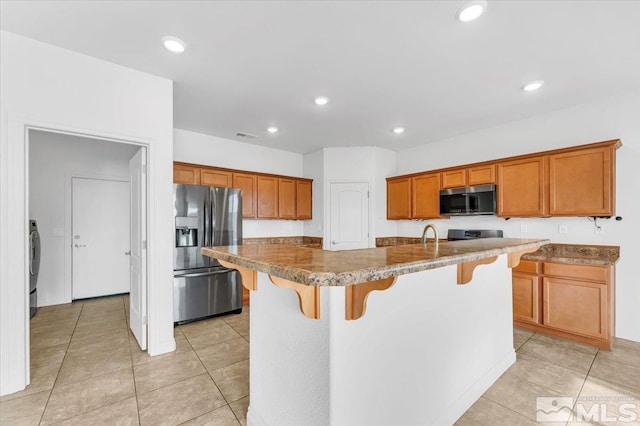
[
  {"x": 138, "y": 266},
  {"x": 100, "y": 223},
  {"x": 349, "y": 222}
]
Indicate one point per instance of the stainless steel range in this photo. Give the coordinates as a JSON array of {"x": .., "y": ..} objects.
[{"x": 472, "y": 234}]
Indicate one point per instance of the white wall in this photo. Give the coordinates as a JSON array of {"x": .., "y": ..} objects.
[
  {"x": 611, "y": 118},
  {"x": 53, "y": 159},
  {"x": 361, "y": 164},
  {"x": 197, "y": 148},
  {"x": 313, "y": 165},
  {"x": 46, "y": 86}
]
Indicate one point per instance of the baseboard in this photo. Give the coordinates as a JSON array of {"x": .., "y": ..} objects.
[{"x": 466, "y": 400}]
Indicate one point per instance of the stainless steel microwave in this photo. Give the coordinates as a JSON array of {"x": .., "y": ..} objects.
[{"x": 468, "y": 200}]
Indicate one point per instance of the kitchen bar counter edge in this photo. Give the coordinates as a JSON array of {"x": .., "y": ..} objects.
[{"x": 343, "y": 268}]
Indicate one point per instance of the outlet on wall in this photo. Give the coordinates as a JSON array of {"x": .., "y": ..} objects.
[
  {"x": 598, "y": 230},
  {"x": 523, "y": 228},
  {"x": 562, "y": 229}
]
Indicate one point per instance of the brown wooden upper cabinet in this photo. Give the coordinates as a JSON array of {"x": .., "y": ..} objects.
[
  {"x": 286, "y": 198},
  {"x": 267, "y": 197},
  {"x": 468, "y": 176},
  {"x": 582, "y": 182},
  {"x": 399, "y": 198},
  {"x": 480, "y": 175},
  {"x": 522, "y": 188},
  {"x": 247, "y": 183},
  {"x": 425, "y": 196},
  {"x": 263, "y": 196},
  {"x": 303, "y": 199},
  {"x": 189, "y": 175},
  {"x": 454, "y": 178},
  {"x": 575, "y": 181},
  {"x": 213, "y": 177}
]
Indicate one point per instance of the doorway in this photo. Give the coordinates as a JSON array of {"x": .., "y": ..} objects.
[
  {"x": 101, "y": 237},
  {"x": 349, "y": 215},
  {"x": 79, "y": 192}
]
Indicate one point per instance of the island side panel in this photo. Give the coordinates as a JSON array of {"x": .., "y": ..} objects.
[
  {"x": 425, "y": 349},
  {"x": 289, "y": 359},
  {"x": 423, "y": 352}
]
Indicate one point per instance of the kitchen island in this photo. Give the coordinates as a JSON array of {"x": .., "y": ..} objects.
[{"x": 420, "y": 350}]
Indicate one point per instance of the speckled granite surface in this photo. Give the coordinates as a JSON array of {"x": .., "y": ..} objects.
[
  {"x": 315, "y": 242},
  {"x": 396, "y": 241},
  {"x": 576, "y": 253},
  {"x": 341, "y": 268}
]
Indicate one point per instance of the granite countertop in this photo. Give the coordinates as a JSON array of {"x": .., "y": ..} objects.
[
  {"x": 300, "y": 241},
  {"x": 576, "y": 253},
  {"x": 341, "y": 268}
]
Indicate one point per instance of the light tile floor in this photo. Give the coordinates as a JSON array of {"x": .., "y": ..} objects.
[{"x": 87, "y": 369}]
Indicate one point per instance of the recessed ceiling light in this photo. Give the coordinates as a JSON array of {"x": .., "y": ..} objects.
[
  {"x": 471, "y": 11},
  {"x": 174, "y": 44},
  {"x": 321, "y": 100},
  {"x": 272, "y": 129},
  {"x": 398, "y": 130},
  {"x": 534, "y": 85}
]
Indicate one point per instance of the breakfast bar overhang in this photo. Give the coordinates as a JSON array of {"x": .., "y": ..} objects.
[{"x": 403, "y": 335}]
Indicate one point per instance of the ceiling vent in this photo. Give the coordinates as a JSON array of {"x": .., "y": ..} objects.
[{"x": 246, "y": 135}]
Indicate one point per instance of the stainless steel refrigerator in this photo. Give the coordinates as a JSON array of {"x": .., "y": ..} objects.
[{"x": 205, "y": 216}]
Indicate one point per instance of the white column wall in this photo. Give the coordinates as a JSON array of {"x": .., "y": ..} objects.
[{"x": 47, "y": 86}]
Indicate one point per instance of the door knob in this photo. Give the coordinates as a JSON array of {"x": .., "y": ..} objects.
[
  {"x": 334, "y": 242},
  {"x": 127, "y": 253},
  {"x": 79, "y": 245}
]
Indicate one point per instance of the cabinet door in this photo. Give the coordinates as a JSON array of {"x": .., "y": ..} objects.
[
  {"x": 286, "y": 198},
  {"x": 480, "y": 175},
  {"x": 521, "y": 188},
  {"x": 213, "y": 177},
  {"x": 303, "y": 199},
  {"x": 454, "y": 178},
  {"x": 247, "y": 183},
  {"x": 399, "y": 198},
  {"x": 425, "y": 195},
  {"x": 581, "y": 183},
  {"x": 267, "y": 197},
  {"x": 526, "y": 297},
  {"x": 576, "y": 306},
  {"x": 186, "y": 174}
]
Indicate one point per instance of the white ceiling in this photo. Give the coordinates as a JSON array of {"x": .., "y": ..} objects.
[{"x": 382, "y": 64}]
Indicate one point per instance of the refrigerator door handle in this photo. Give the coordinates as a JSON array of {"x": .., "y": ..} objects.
[
  {"x": 206, "y": 223},
  {"x": 203, "y": 274}
]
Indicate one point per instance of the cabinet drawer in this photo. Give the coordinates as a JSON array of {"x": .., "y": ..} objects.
[
  {"x": 528, "y": 267},
  {"x": 584, "y": 272}
]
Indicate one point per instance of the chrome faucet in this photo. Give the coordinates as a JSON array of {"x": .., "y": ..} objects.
[{"x": 424, "y": 233}]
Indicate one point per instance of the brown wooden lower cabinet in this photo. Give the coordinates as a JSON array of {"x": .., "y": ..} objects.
[{"x": 573, "y": 301}]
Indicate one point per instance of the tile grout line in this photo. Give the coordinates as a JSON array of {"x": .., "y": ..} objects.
[
  {"x": 133, "y": 373},
  {"x": 209, "y": 373},
  {"x": 61, "y": 364}
]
